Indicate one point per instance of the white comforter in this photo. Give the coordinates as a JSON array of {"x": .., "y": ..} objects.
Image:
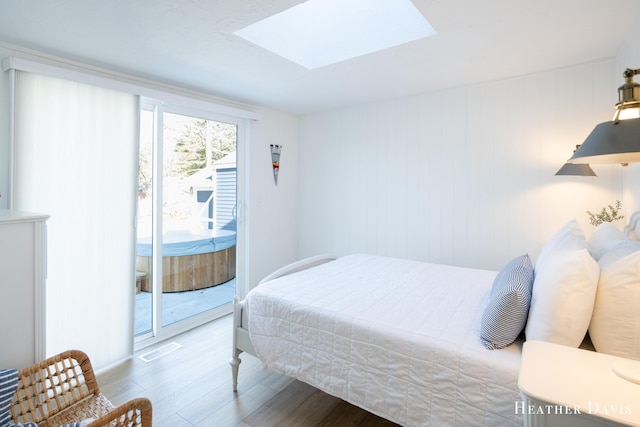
[{"x": 392, "y": 336}]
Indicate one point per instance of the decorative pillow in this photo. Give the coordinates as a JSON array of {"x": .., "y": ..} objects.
[
  {"x": 80, "y": 424},
  {"x": 615, "y": 323},
  {"x": 617, "y": 252},
  {"x": 8, "y": 386},
  {"x": 605, "y": 237},
  {"x": 22, "y": 425},
  {"x": 570, "y": 233},
  {"x": 631, "y": 230},
  {"x": 564, "y": 289},
  {"x": 506, "y": 314}
]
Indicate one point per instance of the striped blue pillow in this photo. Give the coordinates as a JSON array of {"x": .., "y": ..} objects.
[
  {"x": 21, "y": 425},
  {"x": 8, "y": 386},
  {"x": 505, "y": 316},
  {"x": 80, "y": 424},
  {"x": 36, "y": 425}
]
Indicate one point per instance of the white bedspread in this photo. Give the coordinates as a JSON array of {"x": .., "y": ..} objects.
[{"x": 395, "y": 337}]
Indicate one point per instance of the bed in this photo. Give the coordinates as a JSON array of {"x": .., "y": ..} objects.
[
  {"x": 429, "y": 344},
  {"x": 398, "y": 338}
]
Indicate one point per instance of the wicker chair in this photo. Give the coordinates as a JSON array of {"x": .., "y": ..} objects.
[{"x": 63, "y": 389}]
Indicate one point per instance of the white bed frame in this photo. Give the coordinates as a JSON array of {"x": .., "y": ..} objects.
[{"x": 241, "y": 337}]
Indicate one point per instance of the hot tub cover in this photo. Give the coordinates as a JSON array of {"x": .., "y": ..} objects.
[{"x": 185, "y": 242}]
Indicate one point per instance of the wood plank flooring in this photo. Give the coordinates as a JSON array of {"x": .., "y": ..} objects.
[{"x": 191, "y": 386}]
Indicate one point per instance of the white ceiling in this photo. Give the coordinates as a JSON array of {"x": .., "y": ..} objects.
[{"x": 189, "y": 43}]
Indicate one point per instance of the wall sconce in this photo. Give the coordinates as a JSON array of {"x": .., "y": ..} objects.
[
  {"x": 275, "y": 160},
  {"x": 577, "y": 169},
  {"x": 617, "y": 141}
]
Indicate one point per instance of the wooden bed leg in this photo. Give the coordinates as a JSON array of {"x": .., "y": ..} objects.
[{"x": 235, "y": 365}]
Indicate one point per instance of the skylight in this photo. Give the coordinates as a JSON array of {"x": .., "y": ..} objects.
[{"x": 322, "y": 32}]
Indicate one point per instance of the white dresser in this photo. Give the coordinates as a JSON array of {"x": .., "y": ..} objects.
[
  {"x": 23, "y": 270},
  {"x": 571, "y": 387}
]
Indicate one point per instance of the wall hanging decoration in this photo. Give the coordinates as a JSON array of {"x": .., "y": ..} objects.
[{"x": 275, "y": 161}]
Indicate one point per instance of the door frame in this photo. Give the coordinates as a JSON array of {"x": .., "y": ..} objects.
[{"x": 159, "y": 332}]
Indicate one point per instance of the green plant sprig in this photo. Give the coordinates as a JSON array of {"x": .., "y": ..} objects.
[{"x": 610, "y": 215}]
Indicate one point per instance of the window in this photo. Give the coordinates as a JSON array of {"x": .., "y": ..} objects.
[{"x": 74, "y": 155}]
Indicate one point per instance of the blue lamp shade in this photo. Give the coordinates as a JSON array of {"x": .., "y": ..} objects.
[
  {"x": 576, "y": 170},
  {"x": 617, "y": 141},
  {"x": 611, "y": 142}
]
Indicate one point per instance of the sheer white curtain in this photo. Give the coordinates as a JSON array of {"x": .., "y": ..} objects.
[{"x": 76, "y": 159}]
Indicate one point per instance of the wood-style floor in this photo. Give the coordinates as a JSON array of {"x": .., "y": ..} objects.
[{"x": 191, "y": 386}]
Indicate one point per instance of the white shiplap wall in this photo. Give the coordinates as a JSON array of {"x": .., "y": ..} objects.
[{"x": 463, "y": 176}]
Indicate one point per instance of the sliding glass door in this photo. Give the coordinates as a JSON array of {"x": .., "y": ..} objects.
[{"x": 186, "y": 226}]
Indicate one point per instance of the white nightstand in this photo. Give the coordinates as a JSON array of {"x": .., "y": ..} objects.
[{"x": 564, "y": 386}]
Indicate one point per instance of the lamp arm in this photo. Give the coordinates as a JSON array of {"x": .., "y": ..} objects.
[
  {"x": 629, "y": 73},
  {"x": 628, "y": 93}
]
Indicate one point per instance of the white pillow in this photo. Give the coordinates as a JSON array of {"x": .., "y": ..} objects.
[
  {"x": 615, "y": 324},
  {"x": 617, "y": 252},
  {"x": 605, "y": 237},
  {"x": 564, "y": 289},
  {"x": 571, "y": 231},
  {"x": 631, "y": 229}
]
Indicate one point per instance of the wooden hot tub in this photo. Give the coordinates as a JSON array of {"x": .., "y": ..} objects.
[{"x": 190, "y": 261}]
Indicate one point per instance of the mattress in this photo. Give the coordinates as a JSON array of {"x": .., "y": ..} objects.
[{"x": 395, "y": 337}]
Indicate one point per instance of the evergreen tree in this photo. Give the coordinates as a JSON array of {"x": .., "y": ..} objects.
[{"x": 197, "y": 136}]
